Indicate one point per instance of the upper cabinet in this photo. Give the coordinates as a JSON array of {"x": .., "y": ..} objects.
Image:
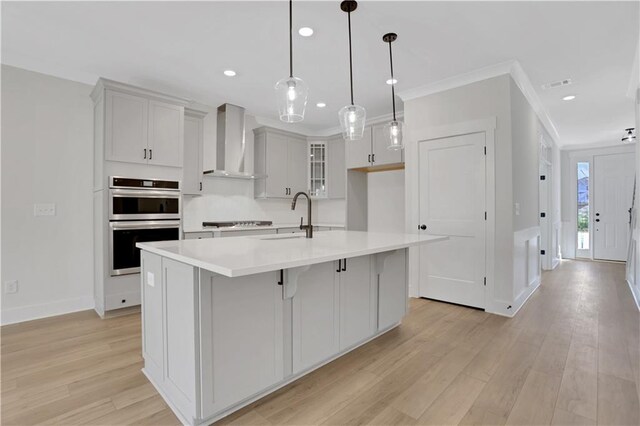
[
  {"x": 140, "y": 126},
  {"x": 371, "y": 150},
  {"x": 166, "y": 134},
  {"x": 192, "y": 154},
  {"x": 337, "y": 171},
  {"x": 358, "y": 153},
  {"x": 380, "y": 154},
  {"x": 126, "y": 127},
  {"x": 282, "y": 156}
]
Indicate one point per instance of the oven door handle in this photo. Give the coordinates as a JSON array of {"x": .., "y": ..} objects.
[
  {"x": 144, "y": 224},
  {"x": 144, "y": 193}
]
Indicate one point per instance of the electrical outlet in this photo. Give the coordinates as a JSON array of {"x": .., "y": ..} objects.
[
  {"x": 151, "y": 279},
  {"x": 11, "y": 287},
  {"x": 44, "y": 209}
]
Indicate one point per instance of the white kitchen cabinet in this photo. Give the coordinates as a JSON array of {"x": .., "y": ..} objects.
[
  {"x": 241, "y": 337},
  {"x": 140, "y": 126},
  {"x": 336, "y": 168},
  {"x": 315, "y": 316},
  {"x": 318, "y": 169},
  {"x": 371, "y": 150},
  {"x": 166, "y": 134},
  {"x": 297, "y": 163},
  {"x": 358, "y": 153},
  {"x": 392, "y": 288},
  {"x": 126, "y": 127},
  {"x": 192, "y": 154},
  {"x": 380, "y": 142},
  {"x": 357, "y": 301},
  {"x": 283, "y": 157}
]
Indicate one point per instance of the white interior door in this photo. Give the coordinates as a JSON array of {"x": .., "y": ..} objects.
[
  {"x": 452, "y": 203},
  {"x": 612, "y": 194}
]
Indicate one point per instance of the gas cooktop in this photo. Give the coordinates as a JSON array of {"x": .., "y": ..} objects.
[{"x": 238, "y": 224}]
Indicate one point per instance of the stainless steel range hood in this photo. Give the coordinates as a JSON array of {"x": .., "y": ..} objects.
[{"x": 230, "y": 145}]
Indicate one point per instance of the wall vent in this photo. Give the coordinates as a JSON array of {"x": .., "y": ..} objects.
[{"x": 559, "y": 83}]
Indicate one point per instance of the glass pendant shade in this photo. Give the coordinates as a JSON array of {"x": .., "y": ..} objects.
[
  {"x": 352, "y": 121},
  {"x": 292, "y": 95},
  {"x": 394, "y": 131}
]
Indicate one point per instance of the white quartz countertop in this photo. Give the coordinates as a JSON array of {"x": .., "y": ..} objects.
[
  {"x": 253, "y": 228},
  {"x": 235, "y": 257}
]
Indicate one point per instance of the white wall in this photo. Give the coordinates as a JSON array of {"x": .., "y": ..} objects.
[
  {"x": 517, "y": 138},
  {"x": 47, "y": 142},
  {"x": 476, "y": 101},
  {"x": 385, "y": 201}
]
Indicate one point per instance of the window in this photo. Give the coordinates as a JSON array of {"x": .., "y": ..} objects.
[{"x": 583, "y": 205}]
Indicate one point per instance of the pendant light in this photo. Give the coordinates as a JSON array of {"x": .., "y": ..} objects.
[
  {"x": 393, "y": 130},
  {"x": 629, "y": 137},
  {"x": 352, "y": 117},
  {"x": 292, "y": 92}
]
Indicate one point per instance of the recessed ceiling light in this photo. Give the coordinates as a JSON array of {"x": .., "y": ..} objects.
[
  {"x": 229, "y": 73},
  {"x": 321, "y": 105},
  {"x": 569, "y": 98},
  {"x": 392, "y": 81},
  {"x": 305, "y": 31}
]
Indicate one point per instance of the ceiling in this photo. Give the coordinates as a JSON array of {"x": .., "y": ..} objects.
[{"x": 182, "y": 48}]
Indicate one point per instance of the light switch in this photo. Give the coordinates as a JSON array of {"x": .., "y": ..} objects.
[
  {"x": 44, "y": 209},
  {"x": 151, "y": 279},
  {"x": 517, "y": 208},
  {"x": 11, "y": 287}
]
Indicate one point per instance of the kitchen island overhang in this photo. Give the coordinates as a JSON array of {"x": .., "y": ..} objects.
[{"x": 228, "y": 321}]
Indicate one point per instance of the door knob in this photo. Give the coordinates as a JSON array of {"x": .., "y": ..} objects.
[{"x": 422, "y": 227}]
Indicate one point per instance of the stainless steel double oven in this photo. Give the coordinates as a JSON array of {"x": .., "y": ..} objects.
[{"x": 140, "y": 210}]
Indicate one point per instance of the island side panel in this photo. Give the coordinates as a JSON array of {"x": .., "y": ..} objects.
[
  {"x": 169, "y": 323},
  {"x": 393, "y": 289},
  {"x": 241, "y": 334}
]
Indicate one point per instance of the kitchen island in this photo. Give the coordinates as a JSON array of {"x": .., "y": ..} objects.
[{"x": 227, "y": 321}]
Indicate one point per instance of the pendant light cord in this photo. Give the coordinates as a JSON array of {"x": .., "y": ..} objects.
[
  {"x": 291, "y": 38},
  {"x": 393, "y": 90},
  {"x": 350, "y": 58}
]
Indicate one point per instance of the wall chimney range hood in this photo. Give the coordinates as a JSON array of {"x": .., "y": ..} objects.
[{"x": 230, "y": 144}]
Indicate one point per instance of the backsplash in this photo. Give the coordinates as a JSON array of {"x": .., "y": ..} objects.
[{"x": 232, "y": 199}]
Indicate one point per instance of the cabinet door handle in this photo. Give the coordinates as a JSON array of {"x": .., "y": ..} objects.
[
  {"x": 344, "y": 265},
  {"x": 339, "y": 265},
  {"x": 281, "y": 282},
  {"x": 369, "y": 158},
  {"x": 145, "y": 154},
  {"x": 373, "y": 158},
  {"x": 150, "y": 154},
  {"x": 200, "y": 186}
]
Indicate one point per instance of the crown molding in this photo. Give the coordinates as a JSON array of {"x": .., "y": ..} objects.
[
  {"x": 104, "y": 84},
  {"x": 459, "y": 80},
  {"x": 512, "y": 68}
]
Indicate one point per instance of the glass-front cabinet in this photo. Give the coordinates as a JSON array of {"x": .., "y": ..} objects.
[{"x": 318, "y": 169}]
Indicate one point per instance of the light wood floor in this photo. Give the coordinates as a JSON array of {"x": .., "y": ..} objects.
[{"x": 571, "y": 356}]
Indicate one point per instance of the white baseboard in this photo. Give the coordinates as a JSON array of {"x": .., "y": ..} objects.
[
  {"x": 636, "y": 297},
  {"x": 44, "y": 310}
]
